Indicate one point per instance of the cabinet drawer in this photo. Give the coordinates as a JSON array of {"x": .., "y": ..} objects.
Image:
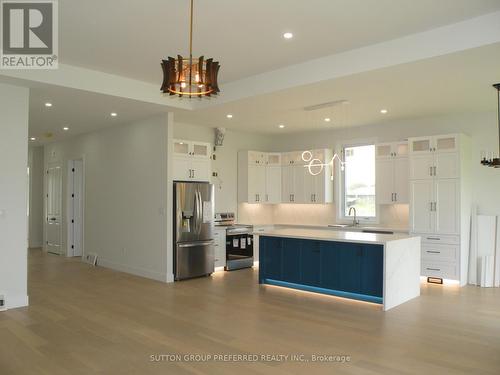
[
  {"x": 433, "y": 252},
  {"x": 440, "y": 238},
  {"x": 444, "y": 270}
]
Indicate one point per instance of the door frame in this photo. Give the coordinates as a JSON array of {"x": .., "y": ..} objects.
[
  {"x": 46, "y": 197},
  {"x": 70, "y": 227}
]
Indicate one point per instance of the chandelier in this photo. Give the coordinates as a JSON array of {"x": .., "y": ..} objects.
[
  {"x": 191, "y": 77},
  {"x": 491, "y": 161}
]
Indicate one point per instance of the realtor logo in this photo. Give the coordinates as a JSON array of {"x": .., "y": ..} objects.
[{"x": 28, "y": 34}]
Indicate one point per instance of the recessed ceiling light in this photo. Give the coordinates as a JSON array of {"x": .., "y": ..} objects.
[
  {"x": 281, "y": 126},
  {"x": 288, "y": 35},
  {"x": 328, "y": 119},
  {"x": 48, "y": 104},
  {"x": 65, "y": 128},
  {"x": 32, "y": 139},
  {"x": 114, "y": 114},
  {"x": 229, "y": 115},
  {"x": 383, "y": 111}
]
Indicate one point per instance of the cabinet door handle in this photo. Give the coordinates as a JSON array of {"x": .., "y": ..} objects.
[
  {"x": 267, "y": 197},
  {"x": 433, "y": 269},
  {"x": 293, "y": 197},
  {"x": 314, "y": 197},
  {"x": 435, "y": 172},
  {"x": 193, "y": 173},
  {"x": 435, "y": 206},
  {"x": 434, "y": 238},
  {"x": 431, "y": 206},
  {"x": 395, "y": 197},
  {"x": 433, "y": 252}
]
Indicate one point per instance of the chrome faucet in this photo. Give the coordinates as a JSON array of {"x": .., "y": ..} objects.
[{"x": 354, "y": 221}]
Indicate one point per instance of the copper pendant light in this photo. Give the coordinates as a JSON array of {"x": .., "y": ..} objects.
[
  {"x": 190, "y": 77},
  {"x": 492, "y": 161}
]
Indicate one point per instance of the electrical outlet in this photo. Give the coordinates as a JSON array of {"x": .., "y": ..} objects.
[{"x": 3, "y": 307}]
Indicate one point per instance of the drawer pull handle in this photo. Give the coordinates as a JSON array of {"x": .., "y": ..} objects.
[
  {"x": 433, "y": 269},
  {"x": 434, "y": 252},
  {"x": 434, "y": 238}
]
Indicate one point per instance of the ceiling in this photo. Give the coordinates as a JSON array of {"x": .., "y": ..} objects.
[
  {"x": 80, "y": 111},
  {"x": 454, "y": 83},
  {"x": 245, "y": 36}
]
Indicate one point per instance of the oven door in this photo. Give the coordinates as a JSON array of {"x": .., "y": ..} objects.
[{"x": 239, "y": 251}]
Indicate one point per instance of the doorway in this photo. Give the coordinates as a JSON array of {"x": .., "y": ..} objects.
[
  {"x": 53, "y": 209},
  {"x": 75, "y": 207}
]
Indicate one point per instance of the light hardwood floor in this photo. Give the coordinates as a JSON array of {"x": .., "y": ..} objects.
[{"x": 84, "y": 320}]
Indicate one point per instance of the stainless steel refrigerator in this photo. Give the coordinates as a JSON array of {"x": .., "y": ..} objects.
[{"x": 193, "y": 229}]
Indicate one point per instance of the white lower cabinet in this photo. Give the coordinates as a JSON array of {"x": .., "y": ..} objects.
[{"x": 220, "y": 247}]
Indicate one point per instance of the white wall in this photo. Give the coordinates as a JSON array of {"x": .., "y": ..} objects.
[
  {"x": 13, "y": 194},
  {"x": 126, "y": 206},
  {"x": 36, "y": 221},
  {"x": 226, "y": 161}
]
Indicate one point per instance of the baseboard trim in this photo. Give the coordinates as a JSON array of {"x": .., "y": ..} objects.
[
  {"x": 15, "y": 301},
  {"x": 143, "y": 272}
]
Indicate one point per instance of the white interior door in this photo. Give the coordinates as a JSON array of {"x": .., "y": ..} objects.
[
  {"x": 75, "y": 208},
  {"x": 421, "y": 196},
  {"x": 385, "y": 181},
  {"x": 53, "y": 209}
]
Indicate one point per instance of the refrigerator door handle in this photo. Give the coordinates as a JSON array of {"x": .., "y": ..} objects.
[
  {"x": 200, "y": 211},
  {"x": 195, "y": 244}
]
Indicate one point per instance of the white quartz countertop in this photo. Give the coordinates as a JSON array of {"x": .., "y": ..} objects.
[{"x": 333, "y": 235}]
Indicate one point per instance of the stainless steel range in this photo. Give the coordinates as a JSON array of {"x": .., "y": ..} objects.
[{"x": 239, "y": 242}]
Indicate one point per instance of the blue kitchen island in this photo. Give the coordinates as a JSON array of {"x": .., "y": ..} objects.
[{"x": 378, "y": 268}]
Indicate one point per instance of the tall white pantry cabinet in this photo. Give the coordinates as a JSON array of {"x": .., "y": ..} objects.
[{"x": 440, "y": 203}]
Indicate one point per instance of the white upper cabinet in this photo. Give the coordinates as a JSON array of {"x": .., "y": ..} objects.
[
  {"x": 391, "y": 150},
  {"x": 435, "y": 157},
  {"x": 273, "y": 177},
  {"x": 273, "y": 159},
  {"x": 440, "y": 143},
  {"x": 256, "y": 158},
  {"x": 192, "y": 161},
  {"x": 273, "y": 184},
  {"x": 292, "y": 158},
  {"x": 392, "y": 173},
  {"x": 259, "y": 177}
]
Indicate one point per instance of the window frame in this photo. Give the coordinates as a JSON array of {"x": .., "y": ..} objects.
[{"x": 341, "y": 216}]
